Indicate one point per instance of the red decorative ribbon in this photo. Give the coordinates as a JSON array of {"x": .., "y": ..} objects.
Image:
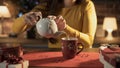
[{"x": 11, "y": 55}]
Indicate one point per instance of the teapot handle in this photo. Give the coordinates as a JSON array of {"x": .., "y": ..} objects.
[
  {"x": 80, "y": 49},
  {"x": 39, "y": 17}
]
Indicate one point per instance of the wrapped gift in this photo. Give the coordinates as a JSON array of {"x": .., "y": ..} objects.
[
  {"x": 103, "y": 61},
  {"x": 110, "y": 57},
  {"x": 11, "y": 57},
  {"x": 8, "y": 51},
  {"x": 23, "y": 64}
]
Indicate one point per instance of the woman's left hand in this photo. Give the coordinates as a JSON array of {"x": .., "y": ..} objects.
[
  {"x": 60, "y": 21},
  {"x": 61, "y": 24}
]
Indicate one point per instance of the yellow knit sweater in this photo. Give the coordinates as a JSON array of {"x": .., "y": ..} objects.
[{"x": 81, "y": 23}]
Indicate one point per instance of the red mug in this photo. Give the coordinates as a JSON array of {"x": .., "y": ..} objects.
[{"x": 70, "y": 47}]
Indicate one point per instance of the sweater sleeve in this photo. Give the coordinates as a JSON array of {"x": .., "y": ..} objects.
[
  {"x": 86, "y": 36},
  {"x": 19, "y": 25}
]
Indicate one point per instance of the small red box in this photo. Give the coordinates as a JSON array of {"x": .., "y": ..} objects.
[{"x": 111, "y": 55}]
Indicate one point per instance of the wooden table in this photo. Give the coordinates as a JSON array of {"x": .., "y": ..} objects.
[
  {"x": 29, "y": 50},
  {"x": 24, "y": 41}
]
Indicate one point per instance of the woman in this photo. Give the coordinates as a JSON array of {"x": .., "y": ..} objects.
[{"x": 76, "y": 17}]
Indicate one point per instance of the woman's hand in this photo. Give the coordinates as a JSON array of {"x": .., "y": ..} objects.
[
  {"x": 60, "y": 21},
  {"x": 61, "y": 24},
  {"x": 32, "y": 17}
]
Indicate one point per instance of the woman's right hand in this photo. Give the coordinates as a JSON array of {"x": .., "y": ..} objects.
[{"x": 32, "y": 17}]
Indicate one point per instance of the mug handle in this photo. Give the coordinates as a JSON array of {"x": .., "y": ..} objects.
[{"x": 80, "y": 49}]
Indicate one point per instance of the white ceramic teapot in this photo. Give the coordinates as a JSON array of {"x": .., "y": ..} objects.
[{"x": 47, "y": 26}]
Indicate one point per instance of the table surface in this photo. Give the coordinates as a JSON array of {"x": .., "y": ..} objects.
[
  {"x": 24, "y": 41},
  {"x": 29, "y": 50}
]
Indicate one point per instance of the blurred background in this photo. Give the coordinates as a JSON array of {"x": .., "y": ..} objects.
[{"x": 106, "y": 10}]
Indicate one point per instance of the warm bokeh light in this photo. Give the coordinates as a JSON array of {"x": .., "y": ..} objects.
[
  {"x": 4, "y": 12},
  {"x": 109, "y": 24}
]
